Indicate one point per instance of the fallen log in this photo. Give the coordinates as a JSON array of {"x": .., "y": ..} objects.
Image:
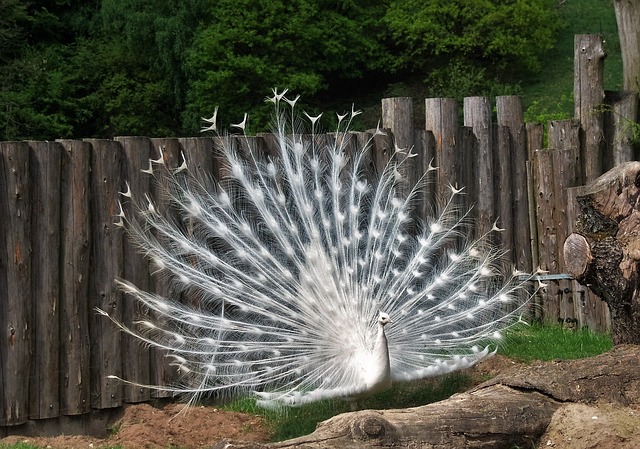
[
  {"x": 604, "y": 251},
  {"x": 513, "y": 409}
]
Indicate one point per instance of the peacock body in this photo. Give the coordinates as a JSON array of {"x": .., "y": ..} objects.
[{"x": 307, "y": 280}]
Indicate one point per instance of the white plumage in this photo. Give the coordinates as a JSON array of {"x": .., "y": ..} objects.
[{"x": 307, "y": 281}]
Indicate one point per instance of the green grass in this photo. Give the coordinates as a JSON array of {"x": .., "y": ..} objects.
[
  {"x": 18, "y": 446},
  {"x": 540, "y": 342}
]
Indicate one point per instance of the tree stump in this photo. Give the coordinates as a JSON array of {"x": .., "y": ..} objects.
[
  {"x": 604, "y": 251},
  {"x": 514, "y": 409}
]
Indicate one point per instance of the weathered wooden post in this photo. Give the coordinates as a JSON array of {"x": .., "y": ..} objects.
[
  {"x": 16, "y": 301},
  {"x": 511, "y": 114},
  {"x": 397, "y": 115},
  {"x": 170, "y": 151},
  {"x": 441, "y": 118},
  {"x": 75, "y": 253},
  {"x": 137, "y": 151},
  {"x": 564, "y": 148},
  {"x": 588, "y": 91},
  {"x": 106, "y": 263},
  {"x": 620, "y": 125},
  {"x": 477, "y": 116},
  {"x": 604, "y": 251},
  {"x": 535, "y": 142},
  {"x": 46, "y": 159}
]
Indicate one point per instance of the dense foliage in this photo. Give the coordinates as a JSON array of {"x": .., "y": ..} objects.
[{"x": 154, "y": 67}]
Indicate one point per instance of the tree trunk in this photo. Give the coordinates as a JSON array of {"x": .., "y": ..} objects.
[
  {"x": 604, "y": 251},
  {"x": 511, "y": 410},
  {"x": 628, "y": 18}
]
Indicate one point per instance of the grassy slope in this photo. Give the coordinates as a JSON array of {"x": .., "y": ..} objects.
[{"x": 549, "y": 95}]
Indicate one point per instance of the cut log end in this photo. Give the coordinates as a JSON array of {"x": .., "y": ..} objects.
[{"x": 577, "y": 255}]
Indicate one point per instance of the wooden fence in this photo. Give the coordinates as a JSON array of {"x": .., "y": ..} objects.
[{"x": 60, "y": 251}]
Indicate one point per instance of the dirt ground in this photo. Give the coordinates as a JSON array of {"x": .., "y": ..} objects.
[{"x": 144, "y": 426}]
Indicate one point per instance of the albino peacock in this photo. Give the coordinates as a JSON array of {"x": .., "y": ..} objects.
[{"x": 306, "y": 280}]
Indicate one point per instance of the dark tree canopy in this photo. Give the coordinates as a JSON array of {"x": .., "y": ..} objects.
[{"x": 109, "y": 67}]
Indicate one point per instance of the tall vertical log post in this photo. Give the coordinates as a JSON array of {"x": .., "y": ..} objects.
[
  {"x": 511, "y": 115},
  {"x": 15, "y": 283},
  {"x": 588, "y": 91},
  {"x": 106, "y": 265},
  {"x": 397, "y": 115},
  {"x": 564, "y": 147},
  {"x": 477, "y": 116},
  {"x": 170, "y": 151},
  {"x": 620, "y": 122},
  {"x": 628, "y": 20},
  {"x": 46, "y": 159},
  {"x": 441, "y": 118},
  {"x": 535, "y": 143},
  {"x": 135, "y": 366},
  {"x": 75, "y": 252}
]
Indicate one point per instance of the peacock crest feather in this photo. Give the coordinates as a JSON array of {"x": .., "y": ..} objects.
[{"x": 308, "y": 279}]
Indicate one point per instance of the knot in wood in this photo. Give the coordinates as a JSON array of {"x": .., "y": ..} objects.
[{"x": 370, "y": 427}]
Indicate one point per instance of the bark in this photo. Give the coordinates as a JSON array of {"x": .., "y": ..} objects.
[
  {"x": 513, "y": 409},
  {"x": 628, "y": 19},
  {"x": 604, "y": 251}
]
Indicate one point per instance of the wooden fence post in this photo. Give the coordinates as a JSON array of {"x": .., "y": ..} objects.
[
  {"x": 45, "y": 169},
  {"x": 588, "y": 91},
  {"x": 425, "y": 146},
  {"x": 503, "y": 193},
  {"x": 201, "y": 160},
  {"x": 15, "y": 282},
  {"x": 535, "y": 142},
  {"x": 548, "y": 245},
  {"x": 162, "y": 373},
  {"x": 135, "y": 368},
  {"x": 397, "y": 115},
  {"x": 74, "y": 291},
  {"x": 564, "y": 144},
  {"x": 441, "y": 118},
  {"x": 106, "y": 265},
  {"x": 621, "y": 127},
  {"x": 477, "y": 116},
  {"x": 511, "y": 115}
]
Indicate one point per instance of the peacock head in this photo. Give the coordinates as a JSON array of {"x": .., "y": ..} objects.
[{"x": 384, "y": 319}]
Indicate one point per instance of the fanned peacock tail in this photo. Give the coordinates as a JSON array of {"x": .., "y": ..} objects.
[{"x": 294, "y": 265}]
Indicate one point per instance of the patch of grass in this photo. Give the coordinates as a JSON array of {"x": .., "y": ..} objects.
[
  {"x": 289, "y": 423},
  {"x": 18, "y": 446},
  {"x": 114, "y": 429},
  {"x": 293, "y": 422},
  {"x": 544, "y": 342}
]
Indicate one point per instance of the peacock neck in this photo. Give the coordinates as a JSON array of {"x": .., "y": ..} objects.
[{"x": 381, "y": 355}]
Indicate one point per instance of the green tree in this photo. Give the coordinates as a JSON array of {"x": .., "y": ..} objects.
[
  {"x": 13, "y": 18},
  {"x": 252, "y": 46},
  {"x": 496, "y": 40}
]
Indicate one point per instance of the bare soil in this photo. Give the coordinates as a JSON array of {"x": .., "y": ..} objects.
[{"x": 143, "y": 426}]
